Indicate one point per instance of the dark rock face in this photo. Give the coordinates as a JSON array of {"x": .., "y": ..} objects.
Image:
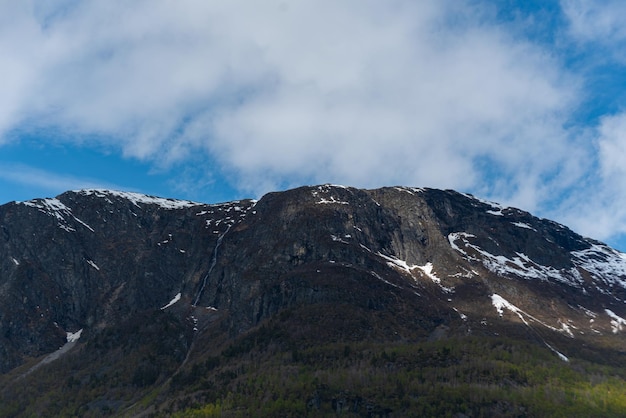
[
  {"x": 342, "y": 263},
  {"x": 92, "y": 258}
]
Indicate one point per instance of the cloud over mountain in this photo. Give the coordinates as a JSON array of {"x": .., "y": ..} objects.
[{"x": 278, "y": 94}]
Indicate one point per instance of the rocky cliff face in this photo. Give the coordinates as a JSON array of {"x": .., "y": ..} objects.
[
  {"x": 92, "y": 258},
  {"x": 340, "y": 264}
]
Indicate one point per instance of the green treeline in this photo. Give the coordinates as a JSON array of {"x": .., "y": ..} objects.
[
  {"x": 264, "y": 374},
  {"x": 474, "y": 377}
]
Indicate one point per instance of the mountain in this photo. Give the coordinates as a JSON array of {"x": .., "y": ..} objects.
[{"x": 318, "y": 300}]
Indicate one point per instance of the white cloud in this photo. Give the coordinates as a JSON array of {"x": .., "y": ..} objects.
[
  {"x": 603, "y": 207},
  {"x": 279, "y": 93},
  {"x": 46, "y": 181},
  {"x": 596, "y": 206},
  {"x": 413, "y": 104},
  {"x": 598, "y": 21},
  {"x": 612, "y": 145},
  {"x": 19, "y": 64}
]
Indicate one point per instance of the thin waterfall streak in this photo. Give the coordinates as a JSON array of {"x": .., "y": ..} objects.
[{"x": 212, "y": 266}]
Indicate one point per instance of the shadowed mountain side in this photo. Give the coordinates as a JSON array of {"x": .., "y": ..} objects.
[{"x": 161, "y": 288}]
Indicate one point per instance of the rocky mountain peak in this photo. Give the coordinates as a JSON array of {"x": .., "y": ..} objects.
[{"x": 333, "y": 263}]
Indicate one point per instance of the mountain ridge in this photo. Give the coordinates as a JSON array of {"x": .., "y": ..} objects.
[{"x": 330, "y": 263}]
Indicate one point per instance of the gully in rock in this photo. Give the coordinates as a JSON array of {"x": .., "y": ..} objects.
[{"x": 212, "y": 266}]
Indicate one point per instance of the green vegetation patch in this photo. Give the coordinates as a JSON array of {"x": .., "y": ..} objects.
[{"x": 472, "y": 377}]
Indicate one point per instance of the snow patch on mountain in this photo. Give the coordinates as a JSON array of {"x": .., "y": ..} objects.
[
  {"x": 92, "y": 264},
  {"x": 396, "y": 262},
  {"x": 456, "y": 236},
  {"x": 409, "y": 190},
  {"x": 589, "y": 313},
  {"x": 427, "y": 269},
  {"x": 501, "y": 303},
  {"x": 138, "y": 198},
  {"x": 462, "y": 315},
  {"x": 55, "y": 208},
  {"x": 173, "y": 301},
  {"x": 493, "y": 205},
  {"x": 324, "y": 196},
  {"x": 617, "y": 322},
  {"x": 227, "y": 213},
  {"x": 558, "y": 353},
  {"x": 606, "y": 265},
  {"x": 567, "y": 329},
  {"x": 335, "y": 238},
  {"x": 523, "y": 225},
  {"x": 603, "y": 262},
  {"x": 373, "y": 273},
  {"x": 519, "y": 266},
  {"x": 332, "y": 200},
  {"x": 72, "y": 337}
]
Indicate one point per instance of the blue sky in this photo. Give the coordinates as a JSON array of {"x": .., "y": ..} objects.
[{"x": 521, "y": 102}]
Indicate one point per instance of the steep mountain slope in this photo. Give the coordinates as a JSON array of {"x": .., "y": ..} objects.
[
  {"x": 161, "y": 288},
  {"x": 91, "y": 258}
]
